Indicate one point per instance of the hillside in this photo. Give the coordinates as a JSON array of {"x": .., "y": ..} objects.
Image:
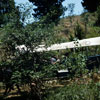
[{"x": 82, "y": 26}]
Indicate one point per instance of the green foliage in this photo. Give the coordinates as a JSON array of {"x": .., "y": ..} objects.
[
  {"x": 8, "y": 12},
  {"x": 76, "y": 63},
  {"x": 94, "y": 32},
  {"x": 85, "y": 21},
  {"x": 75, "y": 92},
  {"x": 90, "y": 6},
  {"x": 16, "y": 77},
  {"x": 27, "y": 65},
  {"x": 51, "y": 10},
  {"x": 79, "y": 33},
  {"x": 98, "y": 16}
]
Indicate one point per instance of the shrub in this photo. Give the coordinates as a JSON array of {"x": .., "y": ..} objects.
[
  {"x": 79, "y": 33},
  {"x": 75, "y": 92},
  {"x": 98, "y": 17},
  {"x": 76, "y": 63}
]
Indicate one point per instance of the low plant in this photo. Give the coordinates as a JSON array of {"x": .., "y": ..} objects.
[
  {"x": 76, "y": 64},
  {"x": 75, "y": 92}
]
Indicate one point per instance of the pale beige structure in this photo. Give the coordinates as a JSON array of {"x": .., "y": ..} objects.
[{"x": 79, "y": 43}]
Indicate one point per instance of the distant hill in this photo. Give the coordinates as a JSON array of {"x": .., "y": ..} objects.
[{"x": 67, "y": 27}]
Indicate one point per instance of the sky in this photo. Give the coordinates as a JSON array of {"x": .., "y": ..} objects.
[
  {"x": 77, "y": 10},
  {"x": 78, "y": 7}
]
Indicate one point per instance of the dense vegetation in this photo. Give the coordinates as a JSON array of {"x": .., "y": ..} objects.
[
  {"x": 75, "y": 92},
  {"x": 34, "y": 70},
  {"x": 8, "y": 12}
]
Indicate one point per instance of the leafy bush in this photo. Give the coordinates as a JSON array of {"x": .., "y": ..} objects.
[
  {"x": 75, "y": 92},
  {"x": 98, "y": 16},
  {"x": 26, "y": 65},
  {"x": 79, "y": 33},
  {"x": 76, "y": 63}
]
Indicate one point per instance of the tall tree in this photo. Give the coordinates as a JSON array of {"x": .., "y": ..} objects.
[
  {"x": 90, "y": 5},
  {"x": 27, "y": 65},
  {"x": 52, "y": 9},
  {"x": 8, "y": 12},
  {"x": 6, "y": 6}
]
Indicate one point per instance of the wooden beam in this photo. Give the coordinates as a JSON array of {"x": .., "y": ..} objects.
[{"x": 79, "y": 43}]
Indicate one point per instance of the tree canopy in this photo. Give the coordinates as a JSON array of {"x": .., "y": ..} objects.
[
  {"x": 52, "y": 9},
  {"x": 27, "y": 66},
  {"x": 8, "y": 12},
  {"x": 90, "y": 5}
]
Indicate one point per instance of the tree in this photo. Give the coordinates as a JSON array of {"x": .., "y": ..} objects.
[
  {"x": 71, "y": 10},
  {"x": 27, "y": 66},
  {"x": 79, "y": 33},
  {"x": 90, "y": 5},
  {"x": 8, "y": 12},
  {"x": 52, "y": 9},
  {"x": 98, "y": 17},
  {"x": 85, "y": 20},
  {"x": 5, "y": 8}
]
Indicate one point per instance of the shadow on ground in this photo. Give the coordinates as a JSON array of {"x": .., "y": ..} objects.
[{"x": 12, "y": 98}]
